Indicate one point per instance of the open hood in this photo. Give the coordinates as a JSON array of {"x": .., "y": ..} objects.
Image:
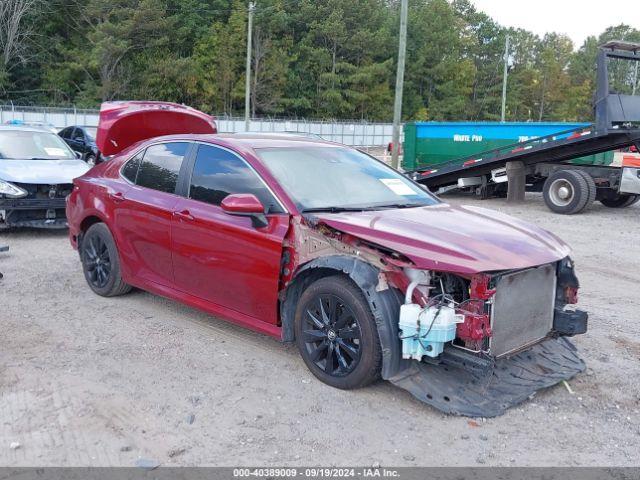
[
  {"x": 124, "y": 123},
  {"x": 453, "y": 239}
]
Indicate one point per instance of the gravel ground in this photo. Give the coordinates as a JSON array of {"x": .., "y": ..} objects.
[{"x": 86, "y": 380}]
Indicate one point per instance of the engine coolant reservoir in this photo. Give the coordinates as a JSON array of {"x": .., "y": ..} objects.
[{"x": 424, "y": 331}]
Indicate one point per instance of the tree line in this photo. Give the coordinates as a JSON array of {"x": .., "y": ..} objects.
[{"x": 331, "y": 59}]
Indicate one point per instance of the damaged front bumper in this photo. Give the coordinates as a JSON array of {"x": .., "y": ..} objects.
[
  {"x": 43, "y": 212},
  {"x": 510, "y": 345},
  {"x": 464, "y": 384}
]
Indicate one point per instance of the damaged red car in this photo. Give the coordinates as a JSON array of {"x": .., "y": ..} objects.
[{"x": 320, "y": 244}]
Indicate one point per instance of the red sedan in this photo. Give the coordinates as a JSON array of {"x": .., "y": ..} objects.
[{"x": 314, "y": 242}]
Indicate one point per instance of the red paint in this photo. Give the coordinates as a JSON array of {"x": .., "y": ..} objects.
[
  {"x": 477, "y": 323},
  {"x": 242, "y": 203},
  {"x": 462, "y": 240},
  {"x": 203, "y": 256},
  {"x": 123, "y": 124},
  {"x": 479, "y": 287}
]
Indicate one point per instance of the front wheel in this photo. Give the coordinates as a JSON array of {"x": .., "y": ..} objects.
[
  {"x": 101, "y": 263},
  {"x": 91, "y": 160},
  {"x": 336, "y": 333}
]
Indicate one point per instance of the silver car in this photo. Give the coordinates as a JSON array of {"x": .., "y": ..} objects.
[{"x": 37, "y": 169}]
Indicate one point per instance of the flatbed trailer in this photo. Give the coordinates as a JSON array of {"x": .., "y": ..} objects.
[{"x": 542, "y": 161}]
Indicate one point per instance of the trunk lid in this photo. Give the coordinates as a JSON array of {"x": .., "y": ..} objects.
[{"x": 123, "y": 124}]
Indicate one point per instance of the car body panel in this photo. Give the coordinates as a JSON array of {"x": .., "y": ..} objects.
[
  {"x": 453, "y": 239},
  {"x": 242, "y": 272},
  {"x": 42, "y": 171},
  {"x": 122, "y": 124},
  {"x": 143, "y": 234}
]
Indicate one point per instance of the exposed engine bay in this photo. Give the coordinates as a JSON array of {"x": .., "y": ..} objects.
[
  {"x": 469, "y": 344},
  {"x": 487, "y": 343}
]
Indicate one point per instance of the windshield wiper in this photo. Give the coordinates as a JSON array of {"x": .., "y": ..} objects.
[
  {"x": 400, "y": 205},
  {"x": 334, "y": 209}
]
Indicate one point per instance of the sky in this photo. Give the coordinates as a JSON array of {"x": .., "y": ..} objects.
[{"x": 576, "y": 18}]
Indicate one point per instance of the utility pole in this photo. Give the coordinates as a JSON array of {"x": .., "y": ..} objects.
[
  {"x": 247, "y": 85},
  {"x": 504, "y": 79},
  {"x": 397, "y": 107}
]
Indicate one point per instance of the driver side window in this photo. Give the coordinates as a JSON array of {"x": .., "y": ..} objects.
[{"x": 218, "y": 172}]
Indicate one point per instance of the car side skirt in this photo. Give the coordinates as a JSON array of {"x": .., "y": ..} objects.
[{"x": 216, "y": 310}]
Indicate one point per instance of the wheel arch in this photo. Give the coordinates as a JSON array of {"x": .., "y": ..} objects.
[{"x": 384, "y": 303}]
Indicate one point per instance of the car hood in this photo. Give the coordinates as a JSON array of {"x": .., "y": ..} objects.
[
  {"x": 42, "y": 171},
  {"x": 461, "y": 239}
]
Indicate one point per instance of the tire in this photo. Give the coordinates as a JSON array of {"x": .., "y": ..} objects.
[
  {"x": 101, "y": 263},
  {"x": 566, "y": 192},
  {"x": 593, "y": 190},
  {"x": 342, "y": 330},
  {"x": 91, "y": 160},
  {"x": 619, "y": 200}
]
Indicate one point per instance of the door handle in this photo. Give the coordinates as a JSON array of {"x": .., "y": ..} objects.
[
  {"x": 184, "y": 215},
  {"x": 117, "y": 197}
]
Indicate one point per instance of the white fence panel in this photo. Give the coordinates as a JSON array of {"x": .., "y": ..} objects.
[{"x": 362, "y": 134}]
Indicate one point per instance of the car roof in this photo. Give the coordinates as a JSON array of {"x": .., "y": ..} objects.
[
  {"x": 257, "y": 141},
  {"x": 254, "y": 140}
]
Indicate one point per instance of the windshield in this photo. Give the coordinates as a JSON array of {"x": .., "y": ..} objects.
[
  {"x": 337, "y": 178},
  {"x": 25, "y": 145}
]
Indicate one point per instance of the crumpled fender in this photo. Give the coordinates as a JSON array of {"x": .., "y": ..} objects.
[{"x": 384, "y": 302}]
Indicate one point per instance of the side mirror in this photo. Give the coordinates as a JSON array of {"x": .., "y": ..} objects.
[{"x": 245, "y": 205}]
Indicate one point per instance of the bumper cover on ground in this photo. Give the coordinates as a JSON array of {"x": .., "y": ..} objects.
[{"x": 488, "y": 392}]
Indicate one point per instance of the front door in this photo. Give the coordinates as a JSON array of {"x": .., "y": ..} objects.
[
  {"x": 222, "y": 258},
  {"x": 144, "y": 211}
]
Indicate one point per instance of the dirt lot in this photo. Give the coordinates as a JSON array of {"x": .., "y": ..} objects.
[{"x": 91, "y": 381}]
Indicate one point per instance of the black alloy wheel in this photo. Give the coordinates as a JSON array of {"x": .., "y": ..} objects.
[
  {"x": 97, "y": 261},
  {"x": 331, "y": 335},
  {"x": 101, "y": 263},
  {"x": 336, "y": 333}
]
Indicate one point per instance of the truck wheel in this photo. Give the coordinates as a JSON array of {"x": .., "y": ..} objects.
[
  {"x": 566, "y": 192},
  {"x": 337, "y": 335},
  {"x": 593, "y": 190},
  {"x": 619, "y": 200}
]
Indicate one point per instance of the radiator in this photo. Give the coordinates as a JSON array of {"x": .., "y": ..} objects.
[{"x": 522, "y": 311}]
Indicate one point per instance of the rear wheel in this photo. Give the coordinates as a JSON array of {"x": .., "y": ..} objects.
[
  {"x": 337, "y": 335},
  {"x": 101, "y": 263},
  {"x": 619, "y": 200},
  {"x": 566, "y": 192},
  {"x": 591, "y": 184}
]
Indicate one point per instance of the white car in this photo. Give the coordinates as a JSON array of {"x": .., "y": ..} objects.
[{"x": 37, "y": 169}]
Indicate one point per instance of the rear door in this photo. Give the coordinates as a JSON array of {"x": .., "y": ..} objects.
[
  {"x": 219, "y": 257},
  {"x": 144, "y": 211}
]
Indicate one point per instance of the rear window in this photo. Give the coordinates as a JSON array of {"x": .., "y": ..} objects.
[
  {"x": 33, "y": 145},
  {"x": 161, "y": 166}
]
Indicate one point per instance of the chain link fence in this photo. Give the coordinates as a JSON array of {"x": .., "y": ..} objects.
[{"x": 353, "y": 133}]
